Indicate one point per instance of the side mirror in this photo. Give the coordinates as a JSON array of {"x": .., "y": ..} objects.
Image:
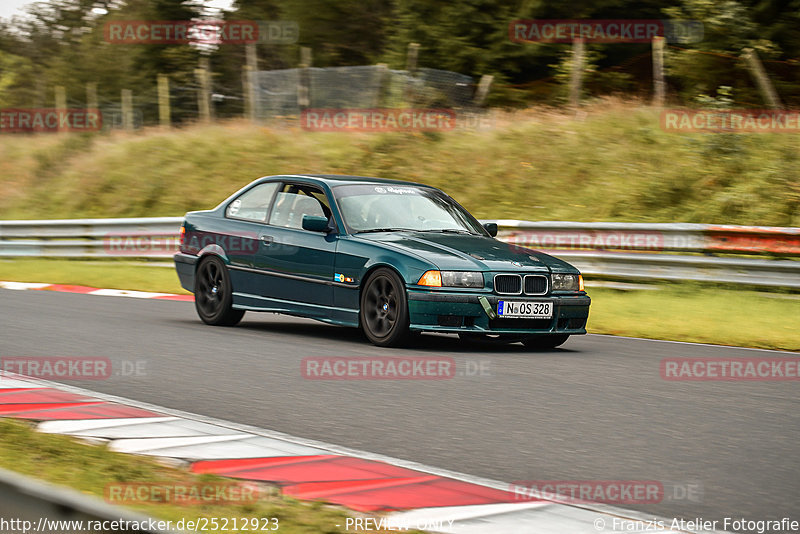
[
  {"x": 315, "y": 223},
  {"x": 491, "y": 228}
]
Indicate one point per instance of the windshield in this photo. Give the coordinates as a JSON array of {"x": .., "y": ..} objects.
[{"x": 378, "y": 207}]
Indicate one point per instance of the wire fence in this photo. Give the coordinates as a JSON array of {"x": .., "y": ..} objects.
[
  {"x": 371, "y": 86},
  {"x": 284, "y": 93}
]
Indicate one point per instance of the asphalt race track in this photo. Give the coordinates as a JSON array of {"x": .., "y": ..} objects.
[{"x": 596, "y": 409}]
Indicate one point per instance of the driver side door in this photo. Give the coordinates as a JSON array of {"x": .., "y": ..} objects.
[{"x": 297, "y": 264}]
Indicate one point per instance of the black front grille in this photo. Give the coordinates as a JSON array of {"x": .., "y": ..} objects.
[
  {"x": 535, "y": 284},
  {"x": 521, "y": 324},
  {"x": 450, "y": 320},
  {"x": 508, "y": 284}
]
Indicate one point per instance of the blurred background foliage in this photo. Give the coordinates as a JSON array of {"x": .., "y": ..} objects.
[{"x": 61, "y": 42}]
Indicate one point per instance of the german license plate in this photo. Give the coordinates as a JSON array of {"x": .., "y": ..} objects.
[{"x": 530, "y": 309}]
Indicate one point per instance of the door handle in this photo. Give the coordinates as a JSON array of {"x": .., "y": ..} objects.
[{"x": 267, "y": 239}]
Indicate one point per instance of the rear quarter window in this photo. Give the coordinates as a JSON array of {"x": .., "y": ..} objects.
[{"x": 253, "y": 204}]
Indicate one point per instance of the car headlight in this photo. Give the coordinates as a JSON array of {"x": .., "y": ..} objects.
[
  {"x": 451, "y": 279},
  {"x": 567, "y": 282},
  {"x": 462, "y": 279}
]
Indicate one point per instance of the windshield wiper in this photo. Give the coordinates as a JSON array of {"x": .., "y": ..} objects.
[
  {"x": 450, "y": 231},
  {"x": 440, "y": 231},
  {"x": 386, "y": 230}
]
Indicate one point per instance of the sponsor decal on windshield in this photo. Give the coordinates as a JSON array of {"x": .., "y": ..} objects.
[{"x": 396, "y": 190}]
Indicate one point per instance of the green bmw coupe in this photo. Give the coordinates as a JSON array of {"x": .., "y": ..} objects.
[{"x": 387, "y": 256}]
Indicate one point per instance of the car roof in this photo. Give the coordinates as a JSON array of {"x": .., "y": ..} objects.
[{"x": 341, "y": 179}]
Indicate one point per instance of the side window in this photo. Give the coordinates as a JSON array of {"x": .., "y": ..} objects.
[
  {"x": 294, "y": 201},
  {"x": 253, "y": 204}
]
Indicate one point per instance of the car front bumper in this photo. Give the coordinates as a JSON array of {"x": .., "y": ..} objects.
[{"x": 440, "y": 311}]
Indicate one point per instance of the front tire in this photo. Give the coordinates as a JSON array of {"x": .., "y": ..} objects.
[
  {"x": 545, "y": 342},
  {"x": 213, "y": 294},
  {"x": 384, "y": 309}
]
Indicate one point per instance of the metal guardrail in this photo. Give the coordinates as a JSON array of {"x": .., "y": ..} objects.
[
  {"x": 734, "y": 254},
  {"x": 650, "y": 251},
  {"x": 152, "y": 237},
  {"x": 29, "y": 505},
  {"x": 653, "y": 237}
]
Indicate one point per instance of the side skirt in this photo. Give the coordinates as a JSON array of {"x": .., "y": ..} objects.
[{"x": 325, "y": 314}]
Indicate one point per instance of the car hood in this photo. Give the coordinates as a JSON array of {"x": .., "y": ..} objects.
[{"x": 461, "y": 252}]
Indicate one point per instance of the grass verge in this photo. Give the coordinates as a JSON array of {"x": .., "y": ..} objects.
[
  {"x": 682, "y": 311},
  {"x": 614, "y": 163},
  {"x": 131, "y": 275},
  {"x": 699, "y": 313},
  {"x": 90, "y": 469}
]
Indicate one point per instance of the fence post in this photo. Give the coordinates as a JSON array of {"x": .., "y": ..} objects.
[
  {"x": 164, "y": 115},
  {"x": 411, "y": 68},
  {"x": 380, "y": 93},
  {"x": 61, "y": 102},
  {"x": 483, "y": 89},
  {"x": 576, "y": 77},
  {"x": 304, "y": 79},
  {"x": 127, "y": 109},
  {"x": 658, "y": 71},
  {"x": 204, "y": 90},
  {"x": 760, "y": 75},
  {"x": 252, "y": 102},
  {"x": 61, "y": 97},
  {"x": 41, "y": 92},
  {"x": 412, "y": 57},
  {"x": 91, "y": 95},
  {"x": 247, "y": 93}
]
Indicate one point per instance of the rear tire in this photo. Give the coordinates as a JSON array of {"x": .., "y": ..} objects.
[
  {"x": 384, "y": 309},
  {"x": 545, "y": 342},
  {"x": 213, "y": 294}
]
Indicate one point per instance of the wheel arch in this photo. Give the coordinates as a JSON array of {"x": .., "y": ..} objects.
[
  {"x": 212, "y": 250},
  {"x": 408, "y": 268},
  {"x": 366, "y": 276}
]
